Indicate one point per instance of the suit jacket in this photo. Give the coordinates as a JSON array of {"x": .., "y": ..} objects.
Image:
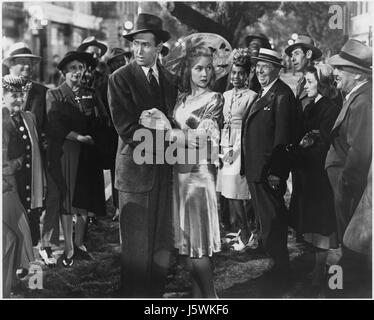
[
  {"x": 269, "y": 122},
  {"x": 129, "y": 94},
  {"x": 352, "y": 142},
  {"x": 36, "y": 103}
]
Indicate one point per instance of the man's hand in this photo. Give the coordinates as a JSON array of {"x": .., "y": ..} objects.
[
  {"x": 85, "y": 139},
  {"x": 274, "y": 182},
  {"x": 154, "y": 119}
]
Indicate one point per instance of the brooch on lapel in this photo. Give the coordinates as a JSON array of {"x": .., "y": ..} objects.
[{"x": 269, "y": 99}]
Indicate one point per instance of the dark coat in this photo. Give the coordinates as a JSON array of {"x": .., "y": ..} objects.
[
  {"x": 65, "y": 116},
  {"x": 129, "y": 94},
  {"x": 269, "y": 122},
  {"x": 107, "y": 141},
  {"x": 312, "y": 211},
  {"x": 351, "y": 149},
  {"x": 36, "y": 103}
]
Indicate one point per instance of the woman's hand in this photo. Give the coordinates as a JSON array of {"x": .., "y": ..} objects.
[
  {"x": 85, "y": 139},
  {"x": 9, "y": 167}
]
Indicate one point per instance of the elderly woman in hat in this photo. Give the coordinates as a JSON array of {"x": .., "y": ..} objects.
[
  {"x": 20, "y": 146},
  {"x": 72, "y": 112},
  {"x": 21, "y": 63}
]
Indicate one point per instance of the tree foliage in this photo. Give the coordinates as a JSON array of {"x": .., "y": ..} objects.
[
  {"x": 228, "y": 19},
  {"x": 313, "y": 19},
  {"x": 234, "y": 20}
]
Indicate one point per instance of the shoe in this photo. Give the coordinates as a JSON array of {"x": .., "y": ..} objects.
[
  {"x": 46, "y": 255},
  {"x": 81, "y": 254},
  {"x": 67, "y": 262},
  {"x": 253, "y": 242},
  {"x": 21, "y": 273},
  {"x": 238, "y": 246},
  {"x": 92, "y": 221},
  {"x": 231, "y": 237}
]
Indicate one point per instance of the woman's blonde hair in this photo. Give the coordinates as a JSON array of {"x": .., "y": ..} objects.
[{"x": 187, "y": 65}]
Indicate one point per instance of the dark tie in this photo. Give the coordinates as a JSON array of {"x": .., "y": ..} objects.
[
  {"x": 260, "y": 94},
  {"x": 152, "y": 81}
]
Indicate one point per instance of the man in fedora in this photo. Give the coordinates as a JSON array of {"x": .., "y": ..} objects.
[
  {"x": 350, "y": 155},
  {"x": 269, "y": 122},
  {"x": 21, "y": 63},
  {"x": 95, "y": 74},
  {"x": 145, "y": 189}
]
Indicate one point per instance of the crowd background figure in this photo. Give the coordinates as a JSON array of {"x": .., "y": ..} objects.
[{"x": 57, "y": 141}]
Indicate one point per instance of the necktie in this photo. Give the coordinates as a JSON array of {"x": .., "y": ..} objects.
[
  {"x": 152, "y": 80},
  {"x": 260, "y": 94}
]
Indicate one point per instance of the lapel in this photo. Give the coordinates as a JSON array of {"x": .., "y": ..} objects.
[
  {"x": 30, "y": 97},
  {"x": 346, "y": 105},
  {"x": 68, "y": 94},
  {"x": 166, "y": 86},
  {"x": 266, "y": 100},
  {"x": 300, "y": 92}
]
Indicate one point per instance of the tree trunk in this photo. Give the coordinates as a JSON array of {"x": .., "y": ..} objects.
[{"x": 196, "y": 20}]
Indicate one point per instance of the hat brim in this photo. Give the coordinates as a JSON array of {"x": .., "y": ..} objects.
[
  {"x": 337, "y": 60},
  {"x": 268, "y": 60},
  {"x": 126, "y": 54},
  {"x": 103, "y": 48},
  {"x": 317, "y": 53},
  {"x": 36, "y": 59},
  {"x": 161, "y": 34},
  {"x": 80, "y": 56}
]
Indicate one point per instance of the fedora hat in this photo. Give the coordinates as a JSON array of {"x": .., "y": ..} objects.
[
  {"x": 307, "y": 43},
  {"x": 260, "y": 36},
  {"x": 271, "y": 56},
  {"x": 354, "y": 54},
  {"x": 20, "y": 50},
  {"x": 92, "y": 41},
  {"x": 148, "y": 23},
  {"x": 76, "y": 55},
  {"x": 117, "y": 52}
]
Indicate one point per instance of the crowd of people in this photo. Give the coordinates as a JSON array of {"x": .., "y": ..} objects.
[{"x": 57, "y": 142}]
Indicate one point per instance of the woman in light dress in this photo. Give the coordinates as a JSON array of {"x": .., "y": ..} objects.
[
  {"x": 230, "y": 183},
  {"x": 197, "y": 118}
]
